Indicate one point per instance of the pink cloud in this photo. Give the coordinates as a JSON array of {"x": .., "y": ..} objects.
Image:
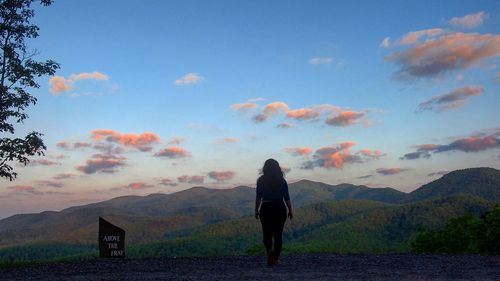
[
  {"x": 469, "y": 21},
  {"x": 386, "y": 42},
  {"x": 25, "y": 189},
  {"x": 59, "y": 84},
  {"x": 81, "y": 144},
  {"x": 138, "y": 185},
  {"x": 332, "y": 157},
  {"x": 63, "y": 145},
  {"x": 88, "y": 75},
  {"x": 191, "y": 179},
  {"x": 299, "y": 151},
  {"x": 221, "y": 175},
  {"x": 285, "y": 169},
  {"x": 303, "y": 114},
  {"x": 447, "y": 53},
  {"x": 228, "y": 140},
  {"x": 371, "y": 153},
  {"x": 173, "y": 152},
  {"x": 345, "y": 118},
  {"x": 141, "y": 142},
  {"x": 176, "y": 140},
  {"x": 271, "y": 109}
]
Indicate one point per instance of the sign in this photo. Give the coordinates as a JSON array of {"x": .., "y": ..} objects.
[{"x": 111, "y": 240}]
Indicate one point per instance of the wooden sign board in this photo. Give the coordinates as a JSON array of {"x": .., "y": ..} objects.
[{"x": 111, "y": 240}]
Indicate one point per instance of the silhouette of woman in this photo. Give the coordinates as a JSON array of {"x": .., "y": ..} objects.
[{"x": 272, "y": 189}]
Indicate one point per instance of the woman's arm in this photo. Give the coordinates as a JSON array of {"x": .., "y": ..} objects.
[
  {"x": 289, "y": 206},
  {"x": 257, "y": 206}
]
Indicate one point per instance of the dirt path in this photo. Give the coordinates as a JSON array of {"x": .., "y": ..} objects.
[{"x": 298, "y": 267}]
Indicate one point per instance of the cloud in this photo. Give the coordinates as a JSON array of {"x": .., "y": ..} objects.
[
  {"x": 318, "y": 61},
  {"x": 468, "y": 144},
  {"x": 138, "y": 185},
  {"x": 104, "y": 163},
  {"x": 173, "y": 152},
  {"x": 49, "y": 183},
  {"x": 365, "y": 177},
  {"x": 375, "y": 154},
  {"x": 441, "y": 55},
  {"x": 469, "y": 21},
  {"x": 391, "y": 171},
  {"x": 452, "y": 100},
  {"x": 176, "y": 140},
  {"x": 167, "y": 182},
  {"x": 59, "y": 84},
  {"x": 285, "y": 169},
  {"x": 386, "y": 42},
  {"x": 190, "y": 78},
  {"x": 108, "y": 148},
  {"x": 438, "y": 173},
  {"x": 498, "y": 77},
  {"x": 299, "y": 151},
  {"x": 228, "y": 140},
  {"x": 64, "y": 176},
  {"x": 258, "y": 99},
  {"x": 191, "y": 179},
  {"x": 88, "y": 76},
  {"x": 63, "y": 145},
  {"x": 221, "y": 176},
  {"x": 303, "y": 114},
  {"x": 25, "y": 189},
  {"x": 414, "y": 36},
  {"x": 284, "y": 125},
  {"x": 80, "y": 144},
  {"x": 344, "y": 118},
  {"x": 332, "y": 157},
  {"x": 43, "y": 162},
  {"x": 244, "y": 106},
  {"x": 141, "y": 142},
  {"x": 271, "y": 109}
]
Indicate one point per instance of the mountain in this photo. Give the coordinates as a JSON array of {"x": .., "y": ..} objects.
[
  {"x": 163, "y": 216},
  {"x": 480, "y": 182}
]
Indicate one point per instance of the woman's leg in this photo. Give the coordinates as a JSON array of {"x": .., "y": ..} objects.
[
  {"x": 267, "y": 229},
  {"x": 278, "y": 225}
]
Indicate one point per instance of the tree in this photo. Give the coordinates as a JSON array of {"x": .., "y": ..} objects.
[{"x": 18, "y": 72}]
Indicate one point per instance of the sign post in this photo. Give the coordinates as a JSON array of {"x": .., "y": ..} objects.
[{"x": 111, "y": 240}]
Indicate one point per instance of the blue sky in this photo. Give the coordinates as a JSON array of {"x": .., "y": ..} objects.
[{"x": 120, "y": 61}]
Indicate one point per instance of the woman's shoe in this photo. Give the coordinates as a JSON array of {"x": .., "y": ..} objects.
[{"x": 270, "y": 258}]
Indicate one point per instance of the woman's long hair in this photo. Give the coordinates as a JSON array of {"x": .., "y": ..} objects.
[{"x": 272, "y": 173}]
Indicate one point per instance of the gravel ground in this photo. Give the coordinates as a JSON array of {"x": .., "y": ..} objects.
[{"x": 295, "y": 267}]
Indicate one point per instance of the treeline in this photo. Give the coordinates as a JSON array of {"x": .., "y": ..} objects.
[
  {"x": 466, "y": 234},
  {"x": 44, "y": 252}
]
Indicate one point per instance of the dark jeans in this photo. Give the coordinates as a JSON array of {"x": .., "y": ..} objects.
[{"x": 272, "y": 218}]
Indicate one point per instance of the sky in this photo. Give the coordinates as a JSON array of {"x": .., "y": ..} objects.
[{"x": 161, "y": 96}]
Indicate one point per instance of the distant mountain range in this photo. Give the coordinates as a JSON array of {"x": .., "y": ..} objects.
[{"x": 198, "y": 221}]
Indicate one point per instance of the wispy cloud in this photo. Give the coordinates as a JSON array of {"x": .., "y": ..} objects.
[
  {"x": 176, "y": 140},
  {"x": 244, "y": 106},
  {"x": 43, "y": 162},
  {"x": 452, "y": 100},
  {"x": 64, "y": 176},
  {"x": 173, "y": 152},
  {"x": 391, "y": 171},
  {"x": 271, "y": 109},
  {"x": 49, "y": 183},
  {"x": 188, "y": 79},
  {"x": 469, "y": 21},
  {"x": 25, "y": 189},
  {"x": 386, "y": 42},
  {"x": 284, "y": 125},
  {"x": 228, "y": 140},
  {"x": 318, "y": 61}
]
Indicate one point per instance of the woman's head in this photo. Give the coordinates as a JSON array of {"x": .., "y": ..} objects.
[{"x": 272, "y": 169}]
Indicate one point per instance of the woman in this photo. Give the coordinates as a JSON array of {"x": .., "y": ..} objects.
[{"x": 272, "y": 189}]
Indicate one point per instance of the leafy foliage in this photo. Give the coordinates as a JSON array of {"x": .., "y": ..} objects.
[
  {"x": 463, "y": 235},
  {"x": 18, "y": 72}
]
